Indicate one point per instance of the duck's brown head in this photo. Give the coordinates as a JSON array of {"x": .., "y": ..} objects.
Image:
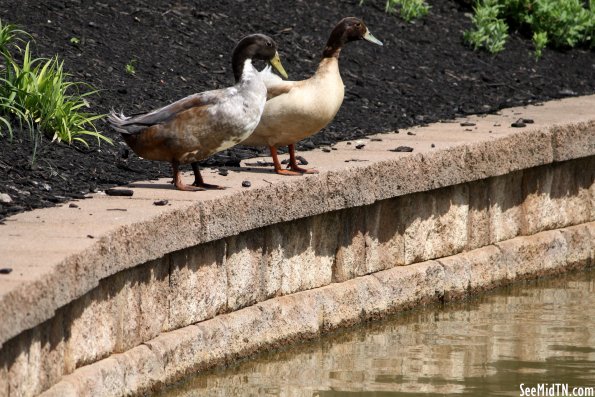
[
  {"x": 255, "y": 46},
  {"x": 348, "y": 29}
]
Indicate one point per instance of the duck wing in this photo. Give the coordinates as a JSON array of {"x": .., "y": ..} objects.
[{"x": 140, "y": 122}]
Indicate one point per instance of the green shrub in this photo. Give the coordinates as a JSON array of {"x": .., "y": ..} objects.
[
  {"x": 36, "y": 92},
  {"x": 407, "y": 9},
  {"x": 490, "y": 31},
  {"x": 559, "y": 23}
]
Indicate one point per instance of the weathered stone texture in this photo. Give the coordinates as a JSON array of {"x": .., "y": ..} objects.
[
  {"x": 453, "y": 239},
  {"x": 197, "y": 287}
]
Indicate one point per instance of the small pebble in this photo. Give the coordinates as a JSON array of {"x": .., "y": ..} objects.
[
  {"x": 119, "y": 192},
  {"x": 334, "y": 148},
  {"x": 528, "y": 121},
  {"x": 5, "y": 198},
  {"x": 90, "y": 236},
  {"x": 302, "y": 160},
  {"x": 467, "y": 124},
  {"x": 160, "y": 202},
  {"x": 348, "y": 143},
  {"x": 410, "y": 133},
  {"x": 326, "y": 150},
  {"x": 5, "y": 270},
  {"x": 246, "y": 184},
  {"x": 402, "y": 149},
  {"x": 376, "y": 140},
  {"x": 72, "y": 205},
  {"x": 518, "y": 124},
  {"x": 360, "y": 146},
  {"x": 223, "y": 172},
  {"x": 432, "y": 145}
]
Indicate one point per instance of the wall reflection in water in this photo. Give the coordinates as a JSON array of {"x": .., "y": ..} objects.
[{"x": 534, "y": 332}]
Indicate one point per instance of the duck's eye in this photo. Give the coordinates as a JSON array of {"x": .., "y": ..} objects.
[{"x": 358, "y": 24}]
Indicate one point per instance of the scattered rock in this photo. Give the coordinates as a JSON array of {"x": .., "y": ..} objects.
[
  {"x": 326, "y": 150},
  {"x": 5, "y": 270},
  {"x": 246, "y": 184},
  {"x": 119, "y": 192},
  {"x": 160, "y": 202},
  {"x": 72, "y": 205},
  {"x": 518, "y": 124},
  {"x": 467, "y": 124},
  {"x": 376, "y": 139},
  {"x": 90, "y": 236},
  {"x": 360, "y": 146},
  {"x": 5, "y": 198},
  {"x": 432, "y": 145},
  {"x": 528, "y": 121},
  {"x": 402, "y": 149},
  {"x": 410, "y": 133},
  {"x": 223, "y": 172},
  {"x": 301, "y": 160}
]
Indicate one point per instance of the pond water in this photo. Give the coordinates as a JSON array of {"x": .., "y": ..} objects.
[{"x": 527, "y": 333}]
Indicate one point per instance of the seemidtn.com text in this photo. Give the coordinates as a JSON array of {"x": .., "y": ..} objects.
[{"x": 556, "y": 390}]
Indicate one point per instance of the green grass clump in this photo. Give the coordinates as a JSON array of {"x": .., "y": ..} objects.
[
  {"x": 409, "y": 10},
  {"x": 558, "y": 23},
  {"x": 36, "y": 92}
]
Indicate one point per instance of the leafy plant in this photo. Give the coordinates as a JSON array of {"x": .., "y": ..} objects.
[
  {"x": 539, "y": 41},
  {"x": 490, "y": 31},
  {"x": 36, "y": 92},
  {"x": 407, "y": 9},
  {"x": 559, "y": 23},
  {"x": 130, "y": 68},
  {"x": 74, "y": 40}
]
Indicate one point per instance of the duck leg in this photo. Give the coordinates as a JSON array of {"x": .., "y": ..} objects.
[
  {"x": 293, "y": 163},
  {"x": 199, "y": 182},
  {"x": 277, "y": 164},
  {"x": 178, "y": 179}
]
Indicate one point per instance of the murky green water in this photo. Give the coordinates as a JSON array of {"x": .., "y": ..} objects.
[{"x": 528, "y": 333}]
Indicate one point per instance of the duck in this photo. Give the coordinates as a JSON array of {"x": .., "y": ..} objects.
[
  {"x": 298, "y": 109},
  {"x": 202, "y": 124}
]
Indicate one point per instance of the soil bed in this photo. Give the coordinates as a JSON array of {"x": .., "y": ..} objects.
[{"x": 424, "y": 73}]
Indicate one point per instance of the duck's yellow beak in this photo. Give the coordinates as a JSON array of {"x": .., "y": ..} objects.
[
  {"x": 276, "y": 63},
  {"x": 369, "y": 37}
]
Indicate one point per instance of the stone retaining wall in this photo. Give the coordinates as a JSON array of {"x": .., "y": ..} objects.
[{"x": 161, "y": 291}]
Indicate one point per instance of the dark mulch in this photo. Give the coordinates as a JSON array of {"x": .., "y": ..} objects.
[{"x": 424, "y": 73}]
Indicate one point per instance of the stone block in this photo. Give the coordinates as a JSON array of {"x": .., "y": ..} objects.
[
  {"x": 505, "y": 200},
  {"x": 487, "y": 267},
  {"x": 61, "y": 389},
  {"x": 556, "y": 196},
  {"x": 579, "y": 245},
  {"x": 198, "y": 284},
  {"x": 435, "y": 223},
  {"x": 144, "y": 303},
  {"x": 457, "y": 275},
  {"x": 478, "y": 226},
  {"x": 385, "y": 244},
  {"x": 572, "y": 141},
  {"x": 405, "y": 286},
  {"x": 180, "y": 352},
  {"x": 534, "y": 255},
  {"x": 288, "y": 318},
  {"x": 350, "y": 259},
  {"x": 300, "y": 254},
  {"x": 244, "y": 266},
  {"x": 141, "y": 369}
]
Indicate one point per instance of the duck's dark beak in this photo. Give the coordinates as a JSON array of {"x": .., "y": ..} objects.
[
  {"x": 369, "y": 37},
  {"x": 276, "y": 63}
]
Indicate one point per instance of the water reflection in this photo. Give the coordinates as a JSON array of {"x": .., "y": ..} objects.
[{"x": 530, "y": 333}]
